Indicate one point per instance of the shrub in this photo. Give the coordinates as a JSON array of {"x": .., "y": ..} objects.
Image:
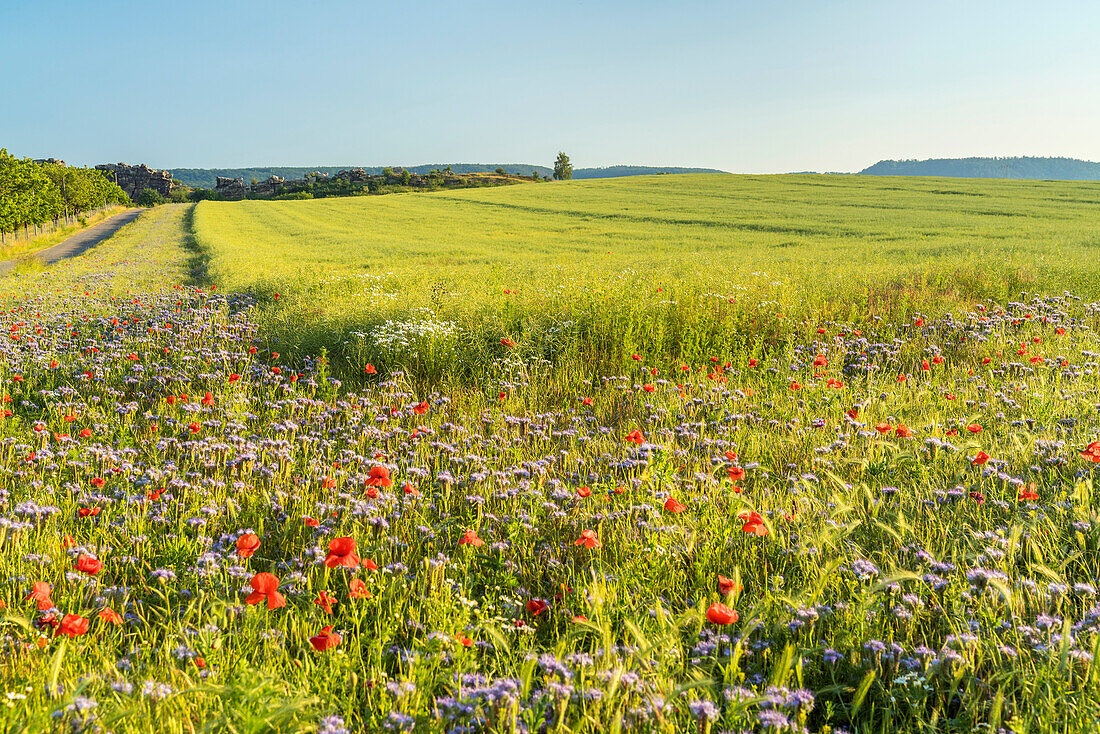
[{"x": 149, "y": 197}]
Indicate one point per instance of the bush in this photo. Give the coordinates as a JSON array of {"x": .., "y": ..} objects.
[{"x": 149, "y": 197}]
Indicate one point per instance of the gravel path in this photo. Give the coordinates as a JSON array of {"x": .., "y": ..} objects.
[{"x": 79, "y": 242}]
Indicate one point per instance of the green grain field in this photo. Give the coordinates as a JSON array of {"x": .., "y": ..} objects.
[{"x": 676, "y": 267}]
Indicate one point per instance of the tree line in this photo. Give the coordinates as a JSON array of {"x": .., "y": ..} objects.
[{"x": 34, "y": 193}]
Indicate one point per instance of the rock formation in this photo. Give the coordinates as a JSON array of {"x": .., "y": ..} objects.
[
  {"x": 230, "y": 188},
  {"x": 135, "y": 179}
]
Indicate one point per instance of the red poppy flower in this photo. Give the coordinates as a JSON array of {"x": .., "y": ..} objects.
[
  {"x": 369, "y": 370},
  {"x": 752, "y": 363},
  {"x": 1028, "y": 494},
  {"x": 98, "y": 482},
  {"x": 208, "y": 398},
  {"x": 719, "y": 613},
  {"x": 421, "y": 408},
  {"x": 311, "y": 522},
  {"x": 736, "y": 473},
  {"x": 795, "y": 386},
  {"x": 265, "y": 588},
  {"x": 583, "y": 492},
  {"x": 648, "y": 388},
  {"x": 379, "y": 476},
  {"x": 974, "y": 428},
  {"x": 635, "y": 437},
  {"x": 727, "y": 586},
  {"x": 820, "y": 361},
  {"x": 411, "y": 490},
  {"x": 883, "y": 427},
  {"x": 73, "y": 625},
  {"x": 194, "y": 427},
  {"x": 588, "y": 539},
  {"x": 636, "y": 357},
  {"x": 753, "y": 523},
  {"x": 507, "y": 342},
  {"x": 924, "y": 366},
  {"x": 463, "y": 640},
  {"x": 110, "y": 616},
  {"x": 247, "y": 544},
  {"x": 535, "y": 607},
  {"x": 88, "y": 565},
  {"x": 341, "y": 552},
  {"x": 234, "y": 377},
  {"x": 357, "y": 589},
  {"x": 586, "y": 401},
  {"x": 1092, "y": 452},
  {"x": 980, "y": 459},
  {"x": 89, "y": 511},
  {"x": 674, "y": 506},
  {"x": 325, "y": 640},
  {"x": 325, "y": 600},
  {"x": 903, "y": 431},
  {"x": 40, "y": 592},
  {"x": 470, "y": 538}
]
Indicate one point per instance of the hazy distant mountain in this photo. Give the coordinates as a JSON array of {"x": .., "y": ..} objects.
[
  {"x": 204, "y": 177},
  {"x": 617, "y": 171},
  {"x": 1066, "y": 169}
]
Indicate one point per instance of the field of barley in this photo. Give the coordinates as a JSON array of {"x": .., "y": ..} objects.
[{"x": 661, "y": 454}]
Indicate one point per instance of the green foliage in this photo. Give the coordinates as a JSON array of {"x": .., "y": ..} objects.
[
  {"x": 33, "y": 193},
  {"x": 149, "y": 197},
  {"x": 563, "y": 169}
]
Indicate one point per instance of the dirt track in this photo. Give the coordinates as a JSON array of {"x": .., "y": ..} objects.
[{"x": 79, "y": 242}]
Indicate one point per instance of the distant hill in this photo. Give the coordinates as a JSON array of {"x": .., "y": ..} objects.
[
  {"x": 1065, "y": 169},
  {"x": 617, "y": 171},
  {"x": 204, "y": 177}
]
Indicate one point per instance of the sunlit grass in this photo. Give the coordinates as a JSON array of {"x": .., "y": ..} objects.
[
  {"x": 678, "y": 267},
  {"x": 890, "y": 580}
]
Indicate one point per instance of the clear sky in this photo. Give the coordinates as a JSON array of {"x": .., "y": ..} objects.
[{"x": 761, "y": 86}]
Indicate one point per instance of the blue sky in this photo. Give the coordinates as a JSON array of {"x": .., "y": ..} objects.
[{"x": 766, "y": 86}]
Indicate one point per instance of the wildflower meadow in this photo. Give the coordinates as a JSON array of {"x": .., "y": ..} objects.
[{"x": 768, "y": 458}]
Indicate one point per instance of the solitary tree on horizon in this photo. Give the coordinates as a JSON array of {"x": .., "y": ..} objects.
[{"x": 563, "y": 169}]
